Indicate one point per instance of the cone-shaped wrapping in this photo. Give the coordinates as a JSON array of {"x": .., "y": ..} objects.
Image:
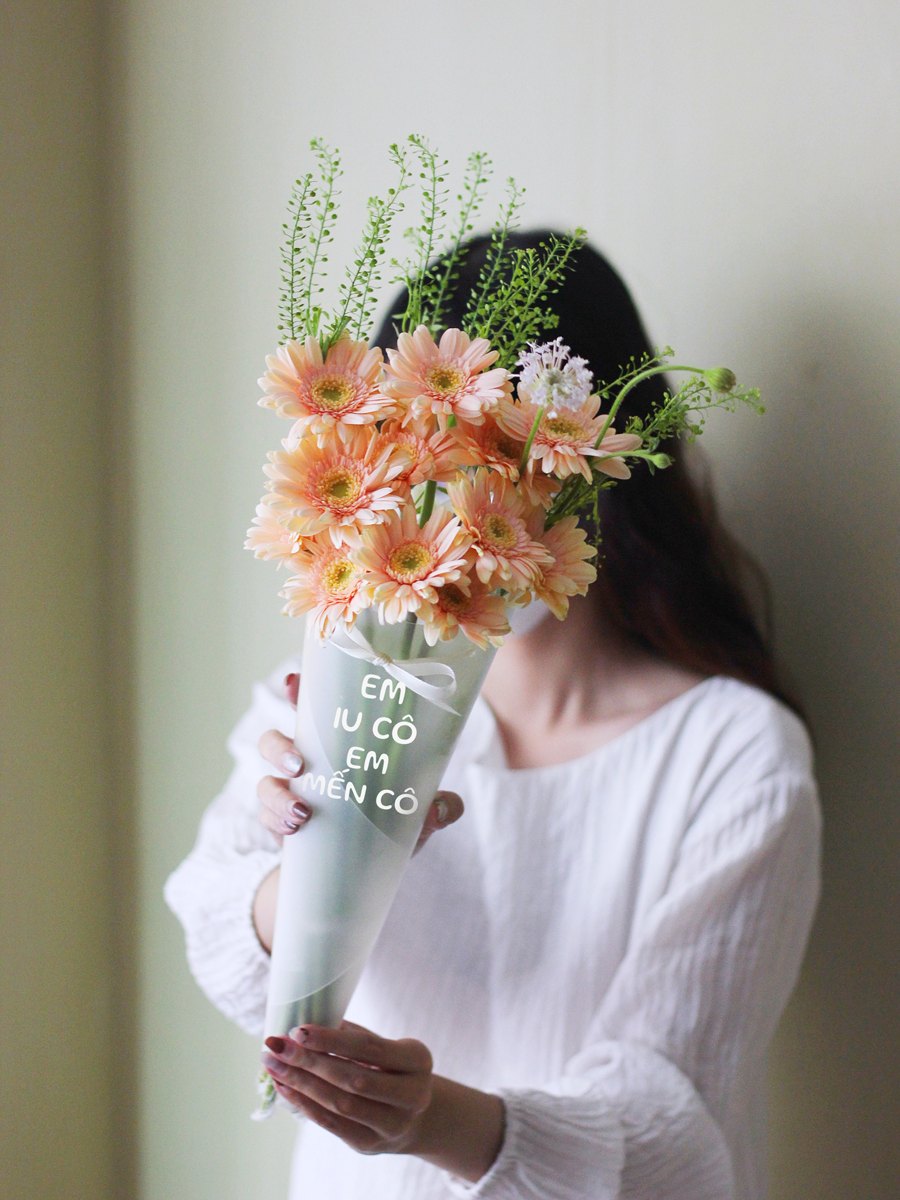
[{"x": 375, "y": 753}]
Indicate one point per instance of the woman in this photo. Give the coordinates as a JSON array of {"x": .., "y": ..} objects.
[{"x": 576, "y": 988}]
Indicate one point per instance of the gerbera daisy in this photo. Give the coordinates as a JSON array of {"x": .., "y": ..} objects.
[
  {"x": 267, "y": 537},
  {"x": 326, "y": 584},
  {"x": 569, "y": 574},
  {"x": 339, "y": 485},
  {"x": 489, "y": 445},
  {"x": 492, "y": 512},
  {"x": 337, "y": 392},
  {"x": 446, "y": 379},
  {"x": 564, "y": 443},
  {"x": 405, "y": 565},
  {"x": 430, "y": 453},
  {"x": 470, "y": 606}
]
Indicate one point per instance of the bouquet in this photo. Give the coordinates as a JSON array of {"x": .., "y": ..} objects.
[{"x": 417, "y": 500}]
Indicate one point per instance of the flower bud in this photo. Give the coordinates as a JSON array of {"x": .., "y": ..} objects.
[{"x": 720, "y": 378}]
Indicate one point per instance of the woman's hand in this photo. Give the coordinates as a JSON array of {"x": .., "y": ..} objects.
[
  {"x": 283, "y": 813},
  {"x": 380, "y": 1097}
]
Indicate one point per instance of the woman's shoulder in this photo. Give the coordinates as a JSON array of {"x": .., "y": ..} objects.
[
  {"x": 727, "y": 738},
  {"x": 738, "y": 715}
]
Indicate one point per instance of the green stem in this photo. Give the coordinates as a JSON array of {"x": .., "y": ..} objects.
[
  {"x": 632, "y": 383},
  {"x": 427, "y": 502},
  {"x": 531, "y": 437},
  {"x": 409, "y": 629}
]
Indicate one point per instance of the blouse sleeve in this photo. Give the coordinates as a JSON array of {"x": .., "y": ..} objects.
[
  {"x": 650, "y": 1107},
  {"x": 212, "y": 892}
]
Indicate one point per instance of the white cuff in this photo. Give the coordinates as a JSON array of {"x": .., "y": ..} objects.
[{"x": 554, "y": 1148}]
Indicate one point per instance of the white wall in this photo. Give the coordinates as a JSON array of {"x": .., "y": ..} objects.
[{"x": 738, "y": 162}]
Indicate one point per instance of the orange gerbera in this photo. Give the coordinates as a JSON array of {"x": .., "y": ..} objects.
[
  {"x": 327, "y": 585},
  {"x": 337, "y": 392},
  {"x": 405, "y": 565},
  {"x": 268, "y": 538},
  {"x": 340, "y": 485},
  {"x": 489, "y": 445},
  {"x": 492, "y": 512},
  {"x": 446, "y": 379},
  {"x": 568, "y": 574},
  {"x": 430, "y": 453},
  {"x": 564, "y": 443},
  {"x": 470, "y": 606}
]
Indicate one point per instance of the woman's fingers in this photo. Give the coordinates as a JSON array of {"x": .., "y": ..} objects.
[
  {"x": 364, "y": 1140},
  {"x": 291, "y": 688},
  {"x": 446, "y": 808},
  {"x": 281, "y": 752},
  {"x": 363, "y": 1046},
  {"x": 387, "y": 1120},
  {"x": 397, "y": 1089},
  {"x": 282, "y": 812}
]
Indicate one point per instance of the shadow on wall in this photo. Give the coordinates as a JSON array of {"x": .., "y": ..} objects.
[{"x": 818, "y": 501}]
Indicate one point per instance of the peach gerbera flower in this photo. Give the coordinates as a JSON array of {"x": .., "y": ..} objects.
[
  {"x": 568, "y": 574},
  {"x": 493, "y": 514},
  {"x": 327, "y": 585},
  {"x": 405, "y": 565},
  {"x": 470, "y": 606},
  {"x": 337, "y": 392},
  {"x": 340, "y": 485},
  {"x": 430, "y": 453},
  {"x": 564, "y": 443},
  {"x": 268, "y": 538},
  {"x": 489, "y": 445},
  {"x": 446, "y": 379}
]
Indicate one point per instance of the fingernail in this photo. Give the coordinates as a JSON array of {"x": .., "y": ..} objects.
[
  {"x": 301, "y": 810},
  {"x": 443, "y": 810},
  {"x": 276, "y": 1044},
  {"x": 292, "y": 763},
  {"x": 291, "y": 826},
  {"x": 299, "y": 1035},
  {"x": 273, "y": 1065}
]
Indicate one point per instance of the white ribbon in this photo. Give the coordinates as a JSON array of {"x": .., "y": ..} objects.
[{"x": 409, "y": 671}]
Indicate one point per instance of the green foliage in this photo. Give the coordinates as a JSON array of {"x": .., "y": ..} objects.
[
  {"x": 313, "y": 213},
  {"x": 510, "y": 304},
  {"x": 359, "y": 291},
  {"x": 681, "y": 413},
  {"x": 313, "y": 210},
  {"x": 514, "y": 307}
]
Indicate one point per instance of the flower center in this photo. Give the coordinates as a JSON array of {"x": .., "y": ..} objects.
[
  {"x": 453, "y": 599},
  {"x": 497, "y": 532},
  {"x": 561, "y": 427},
  {"x": 505, "y": 447},
  {"x": 338, "y": 575},
  {"x": 445, "y": 378},
  {"x": 410, "y": 561},
  {"x": 332, "y": 392},
  {"x": 338, "y": 487}
]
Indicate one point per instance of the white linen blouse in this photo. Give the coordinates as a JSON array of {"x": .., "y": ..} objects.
[{"x": 607, "y": 943}]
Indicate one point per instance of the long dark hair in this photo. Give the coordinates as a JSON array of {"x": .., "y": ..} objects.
[{"x": 672, "y": 580}]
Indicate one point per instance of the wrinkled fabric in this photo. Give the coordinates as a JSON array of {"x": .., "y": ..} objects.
[{"x": 607, "y": 943}]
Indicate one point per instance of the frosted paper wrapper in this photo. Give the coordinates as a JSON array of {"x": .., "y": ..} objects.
[{"x": 374, "y": 754}]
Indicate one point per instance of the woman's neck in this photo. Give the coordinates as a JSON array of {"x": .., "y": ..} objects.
[{"x": 568, "y": 687}]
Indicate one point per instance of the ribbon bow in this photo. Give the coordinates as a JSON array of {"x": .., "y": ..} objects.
[{"x": 409, "y": 671}]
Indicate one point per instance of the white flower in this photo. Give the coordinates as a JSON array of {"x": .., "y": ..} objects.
[{"x": 552, "y": 380}]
